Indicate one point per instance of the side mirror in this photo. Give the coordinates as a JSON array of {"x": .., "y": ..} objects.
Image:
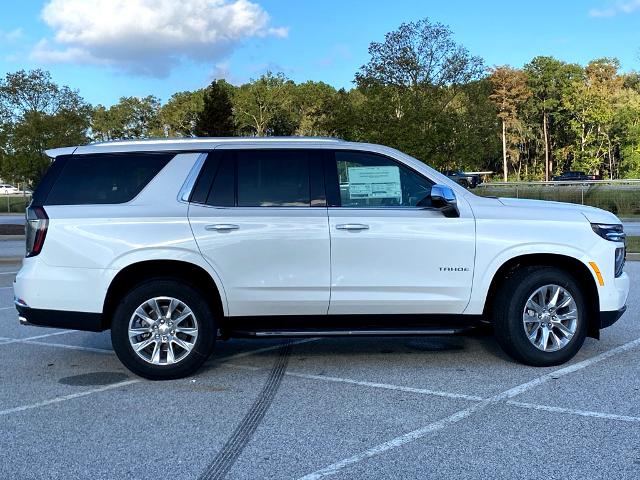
[{"x": 442, "y": 197}]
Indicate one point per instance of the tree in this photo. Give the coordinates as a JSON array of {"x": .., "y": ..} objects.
[
  {"x": 179, "y": 116},
  {"x": 263, "y": 106},
  {"x": 37, "y": 114},
  {"x": 510, "y": 91},
  {"x": 413, "y": 91},
  {"x": 130, "y": 118},
  {"x": 216, "y": 117},
  {"x": 548, "y": 79},
  {"x": 417, "y": 54},
  {"x": 312, "y": 105},
  {"x": 591, "y": 103}
]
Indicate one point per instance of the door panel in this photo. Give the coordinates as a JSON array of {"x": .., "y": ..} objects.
[
  {"x": 272, "y": 252},
  {"x": 271, "y": 261},
  {"x": 399, "y": 263},
  {"x": 390, "y": 251}
]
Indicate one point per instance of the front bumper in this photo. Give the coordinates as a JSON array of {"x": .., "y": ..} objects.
[
  {"x": 609, "y": 318},
  {"x": 90, "y": 322}
]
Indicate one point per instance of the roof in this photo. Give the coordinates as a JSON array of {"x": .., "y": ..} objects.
[{"x": 176, "y": 144}]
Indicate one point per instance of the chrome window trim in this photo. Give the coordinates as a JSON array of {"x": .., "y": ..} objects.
[{"x": 189, "y": 183}]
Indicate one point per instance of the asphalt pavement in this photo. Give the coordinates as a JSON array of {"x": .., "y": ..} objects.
[{"x": 349, "y": 408}]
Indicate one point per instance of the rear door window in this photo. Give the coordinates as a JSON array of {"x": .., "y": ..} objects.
[
  {"x": 273, "y": 178},
  {"x": 262, "y": 178},
  {"x": 104, "y": 178}
]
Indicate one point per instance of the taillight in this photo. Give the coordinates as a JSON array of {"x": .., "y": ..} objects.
[{"x": 36, "y": 230}]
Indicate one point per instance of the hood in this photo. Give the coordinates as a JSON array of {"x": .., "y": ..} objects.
[{"x": 592, "y": 214}]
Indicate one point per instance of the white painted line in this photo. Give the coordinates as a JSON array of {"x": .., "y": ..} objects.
[
  {"x": 64, "y": 398},
  {"x": 572, "y": 411},
  {"x": 462, "y": 414},
  {"x": 38, "y": 337},
  {"x": 5, "y": 288},
  {"x": 70, "y": 347},
  {"x": 8, "y": 308},
  {"x": 387, "y": 386},
  {"x": 8, "y": 273},
  {"x": 384, "y": 386}
]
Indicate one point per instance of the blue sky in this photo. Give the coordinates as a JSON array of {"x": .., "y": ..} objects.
[{"x": 112, "y": 48}]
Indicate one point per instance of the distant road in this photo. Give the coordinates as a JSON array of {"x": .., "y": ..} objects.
[
  {"x": 12, "y": 219},
  {"x": 632, "y": 229}
]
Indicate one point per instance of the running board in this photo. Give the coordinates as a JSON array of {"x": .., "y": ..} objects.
[{"x": 379, "y": 332}]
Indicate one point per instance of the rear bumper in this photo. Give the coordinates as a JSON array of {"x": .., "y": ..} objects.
[
  {"x": 90, "y": 322},
  {"x": 609, "y": 318}
]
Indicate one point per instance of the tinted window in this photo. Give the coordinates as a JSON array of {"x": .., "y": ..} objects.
[
  {"x": 222, "y": 191},
  {"x": 104, "y": 178},
  {"x": 371, "y": 181},
  {"x": 273, "y": 178}
]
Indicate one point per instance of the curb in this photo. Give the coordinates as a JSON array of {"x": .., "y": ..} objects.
[
  {"x": 633, "y": 257},
  {"x": 10, "y": 260},
  {"x": 11, "y": 237}
]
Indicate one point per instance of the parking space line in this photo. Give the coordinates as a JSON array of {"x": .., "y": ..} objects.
[
  {"x": 384, "y": 386},
  {"x": 70, "y": 347},
  {"x": 8, "y": 273},
  {"x": 459, "y": 396},
  {"x": 5, "y": 288},
  {"x": 8, "y": 308},
  {"x": 572, "y": 411},
  {"x": 465, "y": 413},
  {"x": 38, "y": 337},
  {"x": 64, "y": 398}
]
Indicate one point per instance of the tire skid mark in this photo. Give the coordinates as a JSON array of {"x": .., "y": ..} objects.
[{"x": 243, "y": 433}]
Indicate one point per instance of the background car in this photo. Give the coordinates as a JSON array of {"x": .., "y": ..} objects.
[
  {"x": 574, "y": 177},
  {"x": 6, "y": 189},
  {"x": 467, "y": 180}
]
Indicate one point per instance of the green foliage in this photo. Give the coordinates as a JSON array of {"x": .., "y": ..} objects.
[
  {"x": 36, "y": 115},
  {"x": 179, "y": 116},
  {"x": 265, "y": 106},
  {"x": 215, "y": 117},
  {"x": 130, "y": 118}
]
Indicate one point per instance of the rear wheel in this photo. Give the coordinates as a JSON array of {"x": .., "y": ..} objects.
[
  {"x": 163, "y": 329},
  {"x": 540, "y": 316}
]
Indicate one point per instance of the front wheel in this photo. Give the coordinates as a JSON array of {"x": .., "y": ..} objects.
[
  {"x": 540, "y": 316},
  {"x": 163, "y": 329}
]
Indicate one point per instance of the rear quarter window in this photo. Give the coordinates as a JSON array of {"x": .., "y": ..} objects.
[{"x": 104, "y": 178}]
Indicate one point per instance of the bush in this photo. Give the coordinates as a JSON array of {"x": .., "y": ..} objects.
[{"x": 13, "y": 203}]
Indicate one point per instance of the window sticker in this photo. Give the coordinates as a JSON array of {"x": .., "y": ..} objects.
[{"x": 374, "y": 182}]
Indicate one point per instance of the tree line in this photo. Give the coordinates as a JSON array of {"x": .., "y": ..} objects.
[{"x": 420, "y": 92}]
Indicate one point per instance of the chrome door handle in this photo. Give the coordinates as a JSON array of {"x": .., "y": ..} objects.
[
  {"x": 221, "y": 227},
  {"x": 352, "y": 226}
]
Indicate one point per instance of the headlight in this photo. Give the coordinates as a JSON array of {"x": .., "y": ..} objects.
[{"x": 613, "y": 233}]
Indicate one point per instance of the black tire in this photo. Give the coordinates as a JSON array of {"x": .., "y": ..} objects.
[
  {"x": 164, "y": 287},
  {"x": 463, "y": 183},
  {"x": 508, "y": 315}
]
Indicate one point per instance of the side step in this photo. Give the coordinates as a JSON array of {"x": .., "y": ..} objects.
[{"x": 378, "y": 332}]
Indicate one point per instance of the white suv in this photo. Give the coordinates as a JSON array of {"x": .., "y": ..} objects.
[{"x": 171, "y": 244}]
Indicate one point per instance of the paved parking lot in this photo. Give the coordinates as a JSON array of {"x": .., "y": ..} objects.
[{"x": 341, "y": 408}]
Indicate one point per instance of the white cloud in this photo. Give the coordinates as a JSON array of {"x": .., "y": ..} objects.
[
  {"x": 623, "y": 7},
  {"x": 149, "y": 37},
  {"x": 11, "y": 35}
]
